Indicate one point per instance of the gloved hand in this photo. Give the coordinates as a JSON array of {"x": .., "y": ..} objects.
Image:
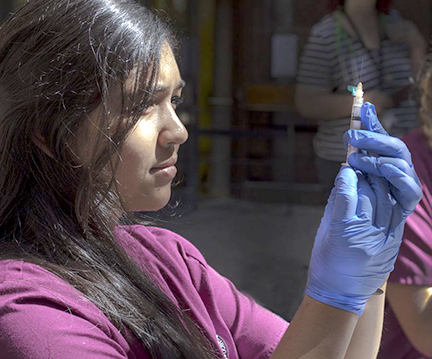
[
  {"x": 360, "y": 233},
  {"x": 393, "y": 161}
]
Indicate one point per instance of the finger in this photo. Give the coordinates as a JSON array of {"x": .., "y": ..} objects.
[
  {"x": 397, "y": 224},
  {"x": 372, "y": 164},
  {"x": 407, "y": 192},
  {"x": 345, "y": 200},
  {"x": 366, "y": 203},
  {"x": 370, "y": 120},
  {"x": 380, "y": 144},
  {"x": 328, "y": 211},
  {"x": 326, "y": 218},
  {"x": 384, "y": 201}
]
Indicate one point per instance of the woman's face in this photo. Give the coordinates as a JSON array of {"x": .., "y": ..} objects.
[{"x": 147, "y": 163}]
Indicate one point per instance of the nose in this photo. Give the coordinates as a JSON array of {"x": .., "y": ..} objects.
[{"x": 173, "y": 131}]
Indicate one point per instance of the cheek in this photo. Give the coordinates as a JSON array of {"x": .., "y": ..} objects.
[{"x": 137, "y": 156}]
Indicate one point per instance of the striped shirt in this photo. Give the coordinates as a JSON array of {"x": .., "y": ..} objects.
[{"x": 333, "y": 60}]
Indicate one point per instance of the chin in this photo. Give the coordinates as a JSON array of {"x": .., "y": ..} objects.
[{"x": 149, "y": 204}]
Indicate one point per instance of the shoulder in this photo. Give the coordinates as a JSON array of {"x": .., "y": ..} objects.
[
  {"x": 415, "y": 138},
  {"x": 324, "y": 28},
  {"x": 43, "y": 315},
  {"x": 31, "y": 278},
  {"x": 160, "y": 242},
  {"x": 421, "y": 153},
  {"x": 174, "y": 264},
  {"x": 400, "y": 30},
  {"x": 395, "y": 20},
  {"x": 417, "y": 143},
  {"x": 393, "y": 16},
  {"x": 23, "y": 283}
]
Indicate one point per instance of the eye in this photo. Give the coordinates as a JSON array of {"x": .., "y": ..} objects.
[
  {"x": 144, "y": 107},
  {"x": 177, "y": 101}
]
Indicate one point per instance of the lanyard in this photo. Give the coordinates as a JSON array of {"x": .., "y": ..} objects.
[{"x": 341, "y": 35}]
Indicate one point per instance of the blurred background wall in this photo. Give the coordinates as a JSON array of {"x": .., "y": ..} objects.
[
  {"x": 239, "y": 58},
  {"x": 248, "y": 195}
]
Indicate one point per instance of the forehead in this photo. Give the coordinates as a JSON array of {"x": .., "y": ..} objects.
[{"x": 169, "y": 73}]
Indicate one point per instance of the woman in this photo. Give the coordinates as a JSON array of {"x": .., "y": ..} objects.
[
  {"x": 359, "y": 41},
  {"x": 89, "y": 133},
  {"x": 408, "y": 320}
]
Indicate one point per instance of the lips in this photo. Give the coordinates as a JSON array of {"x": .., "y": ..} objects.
[{"x": 164, "y": 165}]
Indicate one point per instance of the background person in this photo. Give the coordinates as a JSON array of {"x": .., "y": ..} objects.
[
  {"x": 408, "y": 320},
  {"x": 358, "y": 41}
]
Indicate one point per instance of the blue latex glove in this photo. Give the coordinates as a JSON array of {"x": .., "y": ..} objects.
[
  {"x": 360, "y": 233},
  {"x": 393, "y": 161}
]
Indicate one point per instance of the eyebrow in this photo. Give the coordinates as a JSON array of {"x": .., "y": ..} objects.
[{"x": 159, "y": 89}]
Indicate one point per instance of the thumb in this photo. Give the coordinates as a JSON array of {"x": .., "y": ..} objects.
[
  {"x": 345, "y": 199},
  {"x": 370, "y": 120}
]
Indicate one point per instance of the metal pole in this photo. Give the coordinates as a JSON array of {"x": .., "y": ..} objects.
[
  {"x": 192, "y": 181},
  {"x": 220, "y": 174}
]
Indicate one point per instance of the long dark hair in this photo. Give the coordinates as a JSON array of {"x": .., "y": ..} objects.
[
  {"x": 59, "y": 61},
  {"x": 382, "y": 5}
]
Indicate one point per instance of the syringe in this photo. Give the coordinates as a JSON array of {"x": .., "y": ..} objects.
[{"x": 355, "y": 116}]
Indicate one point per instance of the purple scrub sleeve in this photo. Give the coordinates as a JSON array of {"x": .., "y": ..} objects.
[
  {"x": 414, "y": 263},
  {"x": 42, "y": 316}
]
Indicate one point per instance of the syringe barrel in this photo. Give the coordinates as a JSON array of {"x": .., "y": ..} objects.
[
  {"x": 356, "y": 109},
  {"x": 358, "y": 102},
  {"x": 356, "y": 117},
  {"x": 355, "y": 122}
]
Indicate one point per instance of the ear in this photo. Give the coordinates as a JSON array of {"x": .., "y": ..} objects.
[{"x": 40, "y": 142}]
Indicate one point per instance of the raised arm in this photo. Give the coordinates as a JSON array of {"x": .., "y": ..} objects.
[
  {"x": 321, "y": 104},
  {"x": 366, "y": 339},
  {"x": 315, "y": 98},
  {"x": 354, "y": 251}
]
